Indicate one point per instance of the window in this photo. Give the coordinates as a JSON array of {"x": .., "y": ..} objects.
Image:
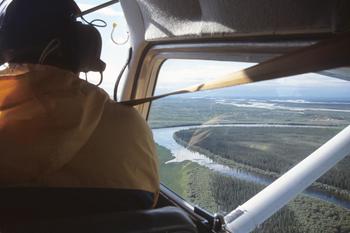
[
  {"x": 112, "y": 54},
  {"x": 219, "y": 148}
]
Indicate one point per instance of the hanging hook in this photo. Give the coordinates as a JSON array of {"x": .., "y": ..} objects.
[{"x": 116, "y": 42}]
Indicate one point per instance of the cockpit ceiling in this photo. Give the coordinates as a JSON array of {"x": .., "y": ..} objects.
[{"x": 190, "y": 19}]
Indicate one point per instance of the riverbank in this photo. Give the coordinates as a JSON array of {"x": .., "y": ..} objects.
[{"x": 270, "y": 175}]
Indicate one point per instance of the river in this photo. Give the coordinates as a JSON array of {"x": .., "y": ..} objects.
[{"x": 164, "y": 137}]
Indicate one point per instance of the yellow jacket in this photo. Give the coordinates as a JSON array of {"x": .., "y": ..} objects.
[{"x": 57, "y": 130}]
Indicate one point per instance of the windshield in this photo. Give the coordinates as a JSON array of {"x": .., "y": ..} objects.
[{"x": 219, "y": 148}]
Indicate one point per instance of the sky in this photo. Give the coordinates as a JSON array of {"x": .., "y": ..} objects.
[
  {"x": 175, "y": 74},
  {"x": 194, "y": 72}
]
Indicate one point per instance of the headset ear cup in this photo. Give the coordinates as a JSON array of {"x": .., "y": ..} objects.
[{"x": 85, "y": 47}]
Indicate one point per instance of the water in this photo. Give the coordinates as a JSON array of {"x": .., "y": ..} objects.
[{"x": 164, "y": 137}]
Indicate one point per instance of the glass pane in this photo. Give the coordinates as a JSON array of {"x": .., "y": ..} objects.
[
  {"x": 219, "y": 148},
  {"x": 113, "y": 55}
]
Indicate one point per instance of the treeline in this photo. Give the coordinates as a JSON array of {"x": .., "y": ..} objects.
[
  {"x": 303, "y": 215},
  {"x": 317, "y": 216},
  {"x": 271, "y": 149}
]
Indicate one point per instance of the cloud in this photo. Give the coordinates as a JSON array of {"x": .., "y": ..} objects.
[
  {"x": 108, "y": 11},
  {"x": 190, "y": 72},
  {"x": 307, "y": 80},
  {"x": 176, "y": 74}
]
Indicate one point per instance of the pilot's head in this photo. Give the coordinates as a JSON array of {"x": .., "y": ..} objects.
[{"x": 46, "y": 32}]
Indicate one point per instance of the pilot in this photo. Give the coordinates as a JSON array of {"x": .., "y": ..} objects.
[{"x": 57, "y": 130}]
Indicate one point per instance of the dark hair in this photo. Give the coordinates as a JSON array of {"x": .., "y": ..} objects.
[{"x": 27, "y": 27}]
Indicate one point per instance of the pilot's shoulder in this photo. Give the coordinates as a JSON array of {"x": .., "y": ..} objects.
[
  {"x": 124, "y": 114},
  {"x": 124, "y": 111}
]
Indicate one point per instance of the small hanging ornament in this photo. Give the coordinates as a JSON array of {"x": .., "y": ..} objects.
[{"x": 115, "y": 41}]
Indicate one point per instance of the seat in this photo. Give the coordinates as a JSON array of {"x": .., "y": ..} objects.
[{"x": 44, "y": 211}]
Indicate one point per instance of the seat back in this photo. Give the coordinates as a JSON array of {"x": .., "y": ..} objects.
[{"x": 30, "y": 210}]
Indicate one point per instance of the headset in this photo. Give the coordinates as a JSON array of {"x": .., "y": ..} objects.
[{"x": 47, "y": 32}]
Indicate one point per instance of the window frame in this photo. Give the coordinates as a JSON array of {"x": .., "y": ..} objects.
[{"x": 148, "y": 68}]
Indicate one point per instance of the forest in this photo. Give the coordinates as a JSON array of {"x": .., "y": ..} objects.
[
  {"x": 170, "y": 112},
  {"x": 268, "y": 150},
  {"x": 221, "y": 194}
]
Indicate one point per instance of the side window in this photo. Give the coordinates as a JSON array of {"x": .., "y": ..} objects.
[
  {"x": 112, "y": 54},
  {"x": 219, "y": 148}
]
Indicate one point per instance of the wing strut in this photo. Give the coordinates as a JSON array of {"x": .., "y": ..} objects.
[{"x": 256, "y": 210}]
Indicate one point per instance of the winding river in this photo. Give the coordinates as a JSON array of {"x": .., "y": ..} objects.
[{"x": 164, "y": 137}]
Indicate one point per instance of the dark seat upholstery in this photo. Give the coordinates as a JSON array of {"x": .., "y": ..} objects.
[
  {"x": 63, "y": 210},
  {"x": 60, "y": 202}
]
